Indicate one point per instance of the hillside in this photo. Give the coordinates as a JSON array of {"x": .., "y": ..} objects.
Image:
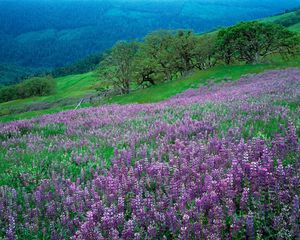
[
  {"x": 222, "y": 160},
  {"x": 182, "y": 135},
  {"x": 33, "y": 35},
  {"x": 74, "y": 87},
  {"x": 288, "y": 19},
  {"x": 69, "y": 90}
]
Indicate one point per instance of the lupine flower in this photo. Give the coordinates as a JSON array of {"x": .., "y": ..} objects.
[{"x": 205, "y": 164}]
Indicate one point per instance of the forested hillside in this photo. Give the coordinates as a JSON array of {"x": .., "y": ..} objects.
[{"x": 50, "y": 34}]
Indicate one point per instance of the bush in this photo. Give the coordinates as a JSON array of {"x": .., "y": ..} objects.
[
  {"x": 37, "y": 86},
  {"x": 8, "y": 93}
]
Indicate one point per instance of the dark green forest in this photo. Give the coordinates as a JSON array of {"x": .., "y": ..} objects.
[{"x": 38, "y": 35}]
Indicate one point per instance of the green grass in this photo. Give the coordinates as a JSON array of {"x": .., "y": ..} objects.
[
  {"x": 80, "y": 85},
  {"x": 73, "y": 86},
  {"x": 76, "y": 85},
  {"x": 279, "y": 17},
  {"x": 164, "y": 91},
  {"x": 295, "y": 27},
  {"x": 32, "y": 114}
]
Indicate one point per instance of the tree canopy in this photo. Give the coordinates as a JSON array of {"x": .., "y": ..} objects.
[
  {"x": 117, "y": 66},
  {"x": 164, "y": 55},
  {"x": 253, "y": 41}
]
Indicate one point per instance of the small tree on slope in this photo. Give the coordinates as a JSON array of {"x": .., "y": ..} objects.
[{"x": 116, "y": 68}]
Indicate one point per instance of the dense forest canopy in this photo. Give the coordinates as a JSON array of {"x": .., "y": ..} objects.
[{"x": 53, "y": 33}]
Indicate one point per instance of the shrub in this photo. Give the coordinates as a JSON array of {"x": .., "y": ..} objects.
[
  {"x": 8, "y": 93},
  {"x": 37, "y": 86}
]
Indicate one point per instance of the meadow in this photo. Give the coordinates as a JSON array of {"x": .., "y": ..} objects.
[{"x": 216, "y": 162}]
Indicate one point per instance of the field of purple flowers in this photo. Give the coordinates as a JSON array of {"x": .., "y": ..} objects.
[{"x": 220, "y": 162}]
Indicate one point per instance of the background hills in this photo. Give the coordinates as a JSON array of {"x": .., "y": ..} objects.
[
  {"x": 73, "y": 87},
  {"x": 42, "y": 35}
]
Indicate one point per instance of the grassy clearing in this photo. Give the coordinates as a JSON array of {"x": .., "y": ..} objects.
[{"x": 295, "y": 27}]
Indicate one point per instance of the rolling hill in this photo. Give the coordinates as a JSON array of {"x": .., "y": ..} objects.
[
  {"x": 48, "y": 34},
  {"x": 72, "y": 88},
  {"x": 75, "y": 87}
]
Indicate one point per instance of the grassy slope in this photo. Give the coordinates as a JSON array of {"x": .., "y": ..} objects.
[
  {"x": 153, "y": 94},
  {"x": 295, "y": 27},
  {"x": 279, "y": 17},
  {"x": 73, "y": 86},
  {"x": 76, "y": 86},
  {"x": 216, "y": 74},
  {"x": 67, "y": 87}
]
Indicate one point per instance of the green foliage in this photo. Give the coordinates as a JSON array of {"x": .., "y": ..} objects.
[
  {"x": 292, "y": 19},
  {"x": 147, "y": 71},
  {"x": 163, "y": 55},
  {"x": 8, "y": 93},
  {"x": 118, "y": 64},
  {"x": 204, "y": 52},
  {"x": 87, "y": 64},
  {"x": 182, "y": 50},
  {"x": 157, "y": 48},
  {"x": 253, "y": 41},
  {"x": 36, "y": 86}
]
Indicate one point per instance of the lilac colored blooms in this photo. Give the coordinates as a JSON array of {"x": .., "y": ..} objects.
[{"x": 220, "y": 162}]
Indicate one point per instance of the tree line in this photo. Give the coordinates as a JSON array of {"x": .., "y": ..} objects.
[{"x": 165, "y": 55}]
